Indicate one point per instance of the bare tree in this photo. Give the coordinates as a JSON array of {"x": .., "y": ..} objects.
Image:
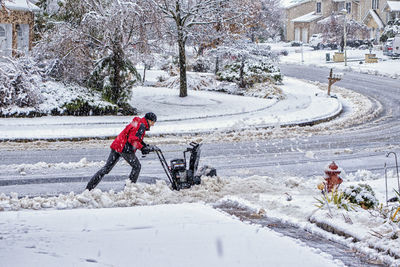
[
  {"x": 186, "y": 19},
  {"x": 332, "y": 29},
  {"x": 263, "y": 18}
]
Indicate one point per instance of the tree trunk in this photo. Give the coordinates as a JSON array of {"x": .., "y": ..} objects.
[
  {"x": 242, "y": 83},
  {"x": 144, "y": 72},
  {"x": 182, "y": 64},
  {"x": 116, "y": 79},
  {"x": 216, "y": 65}
]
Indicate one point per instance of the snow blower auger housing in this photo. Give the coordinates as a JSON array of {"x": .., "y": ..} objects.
[{"x": 179, "y": 174}]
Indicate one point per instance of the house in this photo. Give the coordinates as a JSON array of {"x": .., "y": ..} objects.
[
  {"x": 294, "y": 9},
  {"x": 302, "y": 17},
  {"x": 392, "y": 8},
  {"x": 16, "y": 26}
]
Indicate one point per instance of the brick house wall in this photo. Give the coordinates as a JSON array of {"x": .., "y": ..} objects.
[
  {"x": 17, "y": 18},
  {"x": 294, "y": 12},
  {"x": 360, "y": 11}
]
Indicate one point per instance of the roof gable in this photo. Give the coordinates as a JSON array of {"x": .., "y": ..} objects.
[{"x": 20, "y": 5}]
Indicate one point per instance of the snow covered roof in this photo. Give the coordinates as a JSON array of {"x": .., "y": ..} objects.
[
  {"x": 292, "y": 3},
  {"x": 21, "y": 5},
  {"x": 307, "y": 17},
  {"x": 393, "y": 5},
  {"x": 375, "y": 17}
]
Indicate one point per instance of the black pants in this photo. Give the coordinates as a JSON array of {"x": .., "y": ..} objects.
[{"x": 111, "y": 161}]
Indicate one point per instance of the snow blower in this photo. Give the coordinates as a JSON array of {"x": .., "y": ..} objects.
[{"x": 178, "y": 174}]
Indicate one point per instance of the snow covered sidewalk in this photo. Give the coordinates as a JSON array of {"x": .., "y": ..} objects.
[
  {"x": 196, "y": 235},
  {"x": 201, "y": 111}
]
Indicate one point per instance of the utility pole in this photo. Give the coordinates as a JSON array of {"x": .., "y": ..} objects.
[{"x": 344, "y": 11}]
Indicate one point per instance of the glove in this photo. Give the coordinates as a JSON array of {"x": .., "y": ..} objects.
[{"x": 147, "y": 149}]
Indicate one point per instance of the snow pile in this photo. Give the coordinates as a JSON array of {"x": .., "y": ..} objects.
[
  {"x": 362, "y": 175},
  {"x": 25, "y": 168},
  {"x": 365, "y": 231},
  {"x": 211, "y": 190}
]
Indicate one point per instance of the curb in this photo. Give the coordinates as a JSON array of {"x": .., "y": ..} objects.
[{"x": 257, "y": 127}]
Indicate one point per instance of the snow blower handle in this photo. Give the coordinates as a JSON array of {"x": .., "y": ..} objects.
[{"x": 165, "y": 166}]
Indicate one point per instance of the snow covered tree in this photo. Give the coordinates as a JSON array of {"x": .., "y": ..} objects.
[
  {"x": 191, "y": 19},
  {"x": 247, "y": 65},
  {"x": 92, "y": 43},
  {"x": 332, "y": 29},
  {"x": 263, "y": 19},
  {"x": 19, "y": 80}
]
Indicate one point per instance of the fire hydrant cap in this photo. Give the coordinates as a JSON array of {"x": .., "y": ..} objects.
[{"x": 332, "y": 168}]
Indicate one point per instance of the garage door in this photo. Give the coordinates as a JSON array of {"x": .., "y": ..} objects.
[
  {"x": 297, "y": 34},
  {"x": 304, "y": 35}
]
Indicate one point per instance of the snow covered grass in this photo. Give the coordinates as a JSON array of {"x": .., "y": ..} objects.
[
  {"x": 201, "y": 111},
  {"x": 291, "y": 199}
]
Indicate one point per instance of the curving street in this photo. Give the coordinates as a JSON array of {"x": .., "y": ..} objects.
[{"x": 301, "y": 152}]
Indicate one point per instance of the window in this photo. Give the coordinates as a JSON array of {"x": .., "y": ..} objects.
[
  {"x": 2, "y": 32},
  {"x": 375, "y": 4},
  {"x": 19, "y": 30},
  {"x": 318, "y": 7},
  {"x": 340, "y": 6},
  {"x": 348, "y": 7}
]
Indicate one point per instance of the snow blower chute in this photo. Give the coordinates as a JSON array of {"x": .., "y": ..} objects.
[{"x": 178, "y": 174}]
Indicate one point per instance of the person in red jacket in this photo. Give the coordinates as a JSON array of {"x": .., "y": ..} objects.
[{"x": 125, "y": 145}]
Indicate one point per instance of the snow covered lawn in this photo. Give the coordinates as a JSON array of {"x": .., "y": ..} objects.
[
  {"x": 162, "y": 235},
  {"x": 386, "y": 66},
  {"x": 201, "y": 111}
]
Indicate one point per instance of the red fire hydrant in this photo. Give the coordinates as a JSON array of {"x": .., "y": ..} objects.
[{"x": 332, "y": 179}]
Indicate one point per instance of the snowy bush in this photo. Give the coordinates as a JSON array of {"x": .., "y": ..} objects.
[
  {"x": 82, "y": 107},
  {"x": 391, "y": 30},
  {"x": 208, "y": 82},
  {"x": 362, "y": 195},
  {"x": 60, "y": 99},
  {"x": 19, "y": 90},
  {"x": 201, "y": 64},
  {"x": 337, "y": 198},
  {"x": 248, "y": 73},
  {"x": 27, "y": 90}
]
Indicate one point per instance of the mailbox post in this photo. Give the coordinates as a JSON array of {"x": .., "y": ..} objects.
[{"x": 332, "y": 79}]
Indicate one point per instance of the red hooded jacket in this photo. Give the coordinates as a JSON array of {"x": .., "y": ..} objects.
[{"x": 133, "y": 134}]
